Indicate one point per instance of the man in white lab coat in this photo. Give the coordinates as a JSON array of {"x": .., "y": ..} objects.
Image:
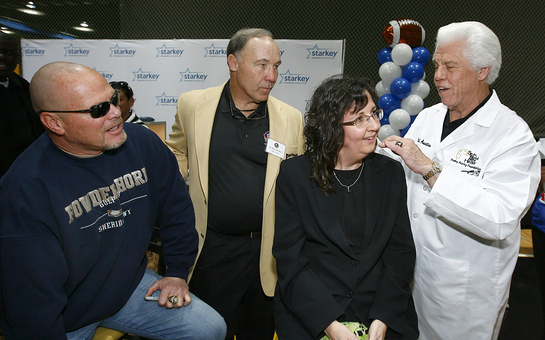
[{"x": 472, "y": 169}]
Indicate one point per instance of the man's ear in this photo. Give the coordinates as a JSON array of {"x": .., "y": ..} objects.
[
  {"x": 52, "y": 122},
  {"x": 483, "y": 73},
  {"x": 232, "y": 62}
]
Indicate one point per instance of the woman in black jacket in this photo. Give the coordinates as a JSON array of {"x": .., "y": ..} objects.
[{"x": 343, "y": 242}]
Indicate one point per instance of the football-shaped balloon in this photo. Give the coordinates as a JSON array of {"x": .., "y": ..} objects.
[{"x": 404, "y": 30}]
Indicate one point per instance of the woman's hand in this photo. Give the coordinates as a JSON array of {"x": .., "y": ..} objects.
[
  {"x": 338, "y": 331},
  {"x": 377, "y": 330}
]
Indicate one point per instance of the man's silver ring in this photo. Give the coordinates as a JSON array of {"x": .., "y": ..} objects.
[
  {"x": 173, "y": 299},
  {"x": 400, "y": 144}
]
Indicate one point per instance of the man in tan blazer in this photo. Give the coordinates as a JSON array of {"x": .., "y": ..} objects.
[{"x": 230, "y": 141}]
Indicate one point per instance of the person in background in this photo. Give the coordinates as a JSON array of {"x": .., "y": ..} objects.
[
  {"x": 343, "y": 245},
  {"x": 538, "y": 239},
  {"x": 472, "y": 168},
  {"x": 74, "y": 237},
  {"x": 232, "y": 138},
  {"x": 126, "y": 101},
  {"x": 19, "y": 125}
]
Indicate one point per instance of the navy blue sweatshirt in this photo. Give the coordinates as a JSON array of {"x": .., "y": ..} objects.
[{"x": 74, "y": 232}]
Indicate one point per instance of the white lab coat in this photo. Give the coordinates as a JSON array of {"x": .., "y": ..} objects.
[{"x": 467, "y": 228}]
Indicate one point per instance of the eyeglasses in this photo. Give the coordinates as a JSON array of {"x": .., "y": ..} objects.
[
  {"x": 96, "y": 111},
  {"x": 363, "y": 120}
]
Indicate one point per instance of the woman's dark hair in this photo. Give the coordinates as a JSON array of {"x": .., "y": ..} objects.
[
  {"x": 123, "y": 86},
  {"x": 324, "y": 134}
]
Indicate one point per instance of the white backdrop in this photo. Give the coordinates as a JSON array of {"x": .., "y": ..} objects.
[{"x": 160, "y": 70}]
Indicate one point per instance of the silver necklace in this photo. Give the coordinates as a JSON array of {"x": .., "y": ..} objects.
[{"x": 351, "y": 185}]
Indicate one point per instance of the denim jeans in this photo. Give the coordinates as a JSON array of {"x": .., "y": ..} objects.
[{"x": 145, "y": 318}]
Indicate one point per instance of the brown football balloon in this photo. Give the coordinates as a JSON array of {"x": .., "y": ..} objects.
[{"x": 404, "y": 30}]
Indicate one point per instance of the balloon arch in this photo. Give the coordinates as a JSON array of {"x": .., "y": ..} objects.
[{"x": 402, "y": 88}]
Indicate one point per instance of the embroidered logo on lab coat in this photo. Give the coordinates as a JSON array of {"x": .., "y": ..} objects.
[{"x": 468, "y": 160}]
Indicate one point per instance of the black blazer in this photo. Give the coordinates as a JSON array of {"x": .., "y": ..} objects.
[{"x": 319, "y": 274}]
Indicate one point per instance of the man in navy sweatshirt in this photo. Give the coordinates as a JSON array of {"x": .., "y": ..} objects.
[{"x": 77, "y": 212}]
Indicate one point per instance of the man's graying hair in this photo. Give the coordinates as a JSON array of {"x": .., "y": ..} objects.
[{"x": 239, "y": 39}]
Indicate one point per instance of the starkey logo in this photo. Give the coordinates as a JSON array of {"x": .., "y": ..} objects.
[
  {"x": 196, "y": 77},
  {"x": 145, "y": 76},
  {"x": 117, "y": 51},
  {"x": 167, "y": 52},
  {"x": 214, "y": 52},
  {"x": 321, "y": 53},
  {"x": 292, "y": 78},
  {"x": 72, "y": 51},
  {"x": 32, "y": 51},
  {"x": 164, "y": 100},
  {"x": 105, "y": 74}
]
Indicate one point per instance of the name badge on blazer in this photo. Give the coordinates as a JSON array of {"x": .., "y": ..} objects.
[{"x": 275, "y": 148}]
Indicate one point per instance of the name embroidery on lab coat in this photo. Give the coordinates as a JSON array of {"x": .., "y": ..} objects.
[
  {"x": 467, "y": 159},
  {"x": 421, "y": 141}
]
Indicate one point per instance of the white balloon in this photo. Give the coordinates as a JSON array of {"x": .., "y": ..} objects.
[
  {"x": 402, "y": 54},
  {"x": 421, "y": 89},
  {"x": 413, "y": 104},
  {"x": 388, "y": 72},
  {"x": 386, "y": 131},
  {"x": 381, "y": 90},
  {"x": 399, "y": 119}
]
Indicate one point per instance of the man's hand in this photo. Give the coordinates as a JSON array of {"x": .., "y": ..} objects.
[
  {"x": 411, "y": 154},
  {"x": 170, "y": 287},
  {"x": 338, "y": 331}
]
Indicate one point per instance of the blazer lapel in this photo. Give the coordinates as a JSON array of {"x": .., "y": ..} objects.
[
  {"x": 205, "y": 111},
  {"x": 278, "y": 122}
]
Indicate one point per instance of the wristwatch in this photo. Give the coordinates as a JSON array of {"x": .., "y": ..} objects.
[{"x": 435, "y": 168}]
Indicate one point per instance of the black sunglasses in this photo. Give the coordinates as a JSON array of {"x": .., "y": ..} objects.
[{"x": 96, "y": 111}]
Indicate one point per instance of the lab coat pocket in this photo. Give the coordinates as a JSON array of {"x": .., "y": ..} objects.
[{"x": 443, "y": 280}]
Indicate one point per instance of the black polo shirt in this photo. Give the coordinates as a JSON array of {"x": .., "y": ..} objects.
[
  {"x": 237, "y": 166},
  {"x": 449, "y": 127}
]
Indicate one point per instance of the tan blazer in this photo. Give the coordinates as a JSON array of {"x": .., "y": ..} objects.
[{"x": 190, "y": 142}]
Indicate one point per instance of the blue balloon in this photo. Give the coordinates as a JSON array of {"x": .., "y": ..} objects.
[
  {"x": 388, "y": 103},
  {"x": 421, "y": 55},
  {"x": 384, "y": 55},
  {"x": 400, "y": 88},
  {"x": 386, "y": 118},
  {"x": 413, "y": 72},
  {"x": 404, "y": 131}
]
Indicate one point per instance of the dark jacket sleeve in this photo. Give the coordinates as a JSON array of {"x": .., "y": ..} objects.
[{"x": 176, "y": 218}]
